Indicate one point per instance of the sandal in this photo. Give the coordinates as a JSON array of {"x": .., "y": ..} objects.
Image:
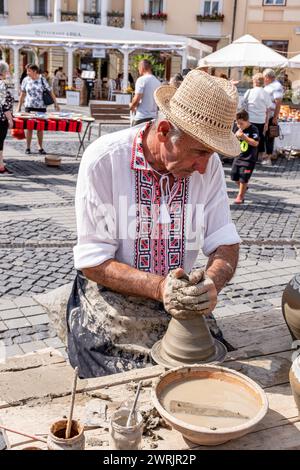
[{"x": 239, "y": 200}]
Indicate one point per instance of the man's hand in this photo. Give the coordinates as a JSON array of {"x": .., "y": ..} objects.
[
  {"x": 275, "y": 121},
  {"x": 186, "y": 296}
]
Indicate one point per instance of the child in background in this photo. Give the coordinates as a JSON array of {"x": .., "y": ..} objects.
[{"x": 244, "y": 164}]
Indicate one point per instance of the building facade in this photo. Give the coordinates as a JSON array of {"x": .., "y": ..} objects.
[{"x": 216, "y": 23}]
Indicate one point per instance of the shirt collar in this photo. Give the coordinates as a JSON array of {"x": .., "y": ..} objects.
[{"x": 138, "y": 160}]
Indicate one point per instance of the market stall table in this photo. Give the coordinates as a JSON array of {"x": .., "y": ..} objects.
[
  {"x": 290, "y": 136},
  {"x": 122, "y": 98},
  {"x": 35, "y": 390},
  {"x": 56, "y": 122}
]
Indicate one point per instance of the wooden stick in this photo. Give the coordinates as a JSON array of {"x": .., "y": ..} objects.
[
  {"x": 69, "y": 425},
  {"x": 34, "y": 438},
  {"x": 134, "y": 405}
]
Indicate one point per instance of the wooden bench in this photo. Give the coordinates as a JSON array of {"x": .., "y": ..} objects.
[
  {"x": 109, "y": 114},
  {"x": 35, "y": 389}
]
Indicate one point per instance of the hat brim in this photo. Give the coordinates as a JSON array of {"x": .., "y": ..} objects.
[{"x": 229, "y": 146}]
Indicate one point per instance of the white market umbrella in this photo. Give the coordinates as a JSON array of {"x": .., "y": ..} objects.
[
  {"x": 246, "y": 51},
  {"x": 294, "y": 62}
]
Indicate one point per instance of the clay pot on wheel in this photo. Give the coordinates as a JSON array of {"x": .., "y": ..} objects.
[
  {"x": 291, "y": 306},
  {"x": 295, "y": 381}
]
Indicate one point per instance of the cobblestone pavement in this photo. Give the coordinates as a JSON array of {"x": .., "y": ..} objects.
[{"x": 37, "y": 233}]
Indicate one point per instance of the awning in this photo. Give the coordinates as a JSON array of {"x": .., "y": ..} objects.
[{"x": 246, "y": 51}]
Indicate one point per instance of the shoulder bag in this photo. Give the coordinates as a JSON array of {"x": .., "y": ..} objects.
[
  {"x": 47, "y": 97},
  {"x": 274, "y": 131}
]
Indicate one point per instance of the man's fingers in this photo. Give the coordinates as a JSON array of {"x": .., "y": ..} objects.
[
  {"x": 194, "y": 300},
  {"x": 180, "y": 274},
  {"x": 194, "y": 291},
  {"x": 196, "y": 276}
]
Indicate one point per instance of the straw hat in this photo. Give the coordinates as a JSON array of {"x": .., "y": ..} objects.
[{"x": 204, "y": 107}]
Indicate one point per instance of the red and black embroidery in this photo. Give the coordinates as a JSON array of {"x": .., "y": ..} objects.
[{"x": 159, "y": 248}]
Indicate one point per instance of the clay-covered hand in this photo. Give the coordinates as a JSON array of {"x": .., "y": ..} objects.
[{"x": 186, "y": 296}]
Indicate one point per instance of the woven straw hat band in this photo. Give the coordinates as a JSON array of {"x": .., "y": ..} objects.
[{"x": 204, "y": 107}]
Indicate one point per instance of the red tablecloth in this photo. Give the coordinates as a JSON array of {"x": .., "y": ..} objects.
[{"x": 61, "y": 125}]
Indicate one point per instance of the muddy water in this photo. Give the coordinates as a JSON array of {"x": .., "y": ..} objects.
[{"x": 211, "y": 393}]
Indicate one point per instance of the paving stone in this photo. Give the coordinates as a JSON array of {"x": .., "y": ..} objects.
[
  {"x": 241, "y": 308},
  {"x": 38, "y": 319},
  {"x": 276, "y": 302},
  {"x": 40, "y": 336},
  {"x": 34, "y": 310},
  {"x": 17, "y": 323},
  {"x": 9, "y": 314},
  {"x": 14, "y": 350},
  {"x": 32, "y": 346},
  {"x": 6, "y": 305},
  {"x": 42, "y": 327},
  {"x": 54, "y": 343},
  {"x": 24, "y": 301},
  {"x": 3, "y": 327},
  {"x": 23, "y": 339}
]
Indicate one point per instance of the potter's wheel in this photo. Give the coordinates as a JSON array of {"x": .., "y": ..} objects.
[{"x": 160, "y": 357}]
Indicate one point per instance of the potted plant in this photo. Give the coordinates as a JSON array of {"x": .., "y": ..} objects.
[
  {"x": 154, "y": 16},
  {"x": 213, "y": 17}
]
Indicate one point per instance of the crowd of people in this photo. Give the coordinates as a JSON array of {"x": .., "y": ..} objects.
[
  {"x": 254, "y": 124},
  {"x": 258, "y": 113}
]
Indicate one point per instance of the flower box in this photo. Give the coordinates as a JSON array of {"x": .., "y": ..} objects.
[
  {"x": 154, "y": 16},
  {"x": 216, "y": 17}
]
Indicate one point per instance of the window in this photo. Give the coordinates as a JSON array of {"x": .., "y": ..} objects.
[
  {"x": 274, "y": 2},
  {"x": 278, "y": 46},
  {"x": 156, "y": 6},
  {"x": 211, "y": 8},
  {"x": 40, "y": 7},
  {"x": 1, "y": 7}
]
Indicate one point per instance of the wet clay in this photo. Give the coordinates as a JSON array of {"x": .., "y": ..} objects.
[
  {"x": 61, "y": 433},
  {"x": 211, "y": 393},
  {"x": 123, "y": 437},
  {"x": 57, "y": 436}
]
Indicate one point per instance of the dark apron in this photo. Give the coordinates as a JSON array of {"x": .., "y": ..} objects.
[{"x": 110, "y": 333}]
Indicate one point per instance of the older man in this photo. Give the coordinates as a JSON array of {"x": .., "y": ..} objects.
[{"x": 147, "y": 200}]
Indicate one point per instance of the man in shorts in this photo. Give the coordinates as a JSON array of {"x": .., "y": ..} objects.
[{"x": 244, "y": 164}]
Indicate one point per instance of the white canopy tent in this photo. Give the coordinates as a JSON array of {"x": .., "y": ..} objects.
[
  {"x": 73, "y": 35},
  {"x": 294, "y": 62},
  {"x": 247, "y": 51}
]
